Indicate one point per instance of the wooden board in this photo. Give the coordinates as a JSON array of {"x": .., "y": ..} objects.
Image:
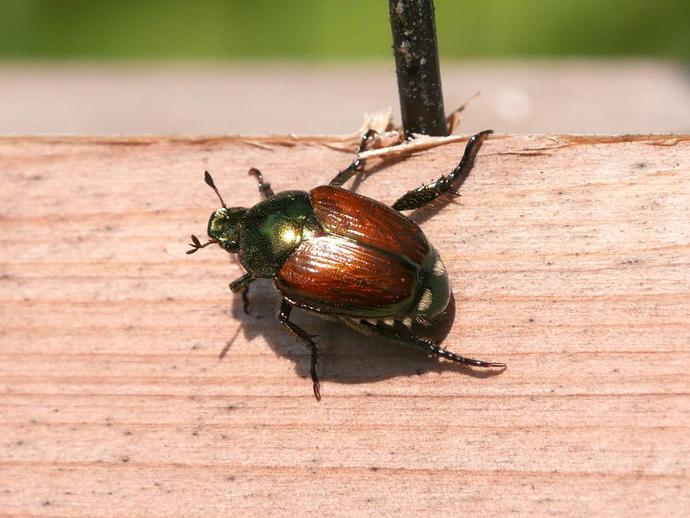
[{"x": 569, "y": 261}]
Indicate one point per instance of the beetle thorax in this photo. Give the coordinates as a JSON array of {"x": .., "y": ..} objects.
[{"x": 272, "y": 229}]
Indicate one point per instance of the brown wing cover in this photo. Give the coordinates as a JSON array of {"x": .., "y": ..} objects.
[
  {"x": 340, "y": 276},
  {"x": 369, "y": 222}
]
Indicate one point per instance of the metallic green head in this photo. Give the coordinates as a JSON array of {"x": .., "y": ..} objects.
[{"x": 223, "y": 227}]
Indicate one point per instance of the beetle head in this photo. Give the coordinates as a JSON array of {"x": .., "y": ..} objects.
[{"x": 222, "y": 225}]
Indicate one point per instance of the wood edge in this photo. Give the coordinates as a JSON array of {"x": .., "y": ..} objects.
[{"x": 292, "y": 140}]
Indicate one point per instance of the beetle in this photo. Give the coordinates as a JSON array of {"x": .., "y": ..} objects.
[{"x": 342, "y": 255}]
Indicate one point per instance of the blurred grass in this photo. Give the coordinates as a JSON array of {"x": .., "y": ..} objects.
[{"x": 329, "y": 29}]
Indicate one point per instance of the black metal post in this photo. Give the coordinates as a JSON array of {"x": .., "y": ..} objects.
[{"x": 416, "y": 64}]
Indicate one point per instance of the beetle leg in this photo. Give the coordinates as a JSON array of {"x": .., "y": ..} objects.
[
  {"x": 284, "y": 317},
  {"x": 241, "y": 286},
  {"x": 264, "y": 187},
  {"x": 429, "y": 347},
  {"x": 344, "y": 175},
  {"x": 426, "y": 193},
  {"x": 357, "y": 326}
]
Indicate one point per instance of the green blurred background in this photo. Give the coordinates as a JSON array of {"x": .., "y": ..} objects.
[{"x": 327, "y": 29}]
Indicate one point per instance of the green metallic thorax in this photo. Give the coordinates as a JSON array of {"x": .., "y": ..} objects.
[{"x": 272, "y": 229}]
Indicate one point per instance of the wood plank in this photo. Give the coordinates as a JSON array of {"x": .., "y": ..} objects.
[{"x": 569, "y": 261}]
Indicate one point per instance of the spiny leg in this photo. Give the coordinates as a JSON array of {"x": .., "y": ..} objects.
[
  {"x": 264, "y": 187},
  {"x": 344, "y": 175},
  {"x": 424, "y": 194},
  {"x": 428, "y": 346},
  {"x": 241, "y": 286},
  {"x": 284, "y": 317}
]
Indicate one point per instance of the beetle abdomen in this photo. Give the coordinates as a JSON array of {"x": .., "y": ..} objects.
[
  {"x": 435, "y": 288},
  {"x": 336, "y": 275},
  {"x": 368, "y": 261}
]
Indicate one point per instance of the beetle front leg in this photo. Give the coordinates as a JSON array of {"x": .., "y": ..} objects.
[
  {"x": 344, "y": 175},
  {"x": 241, "y": 285},
  {"x": 429, "y": 347},
  {"x": 427, "y": 193},
  {"x": 284, "y": 317}
]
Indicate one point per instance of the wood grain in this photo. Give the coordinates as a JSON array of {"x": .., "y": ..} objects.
[{"x": 569, "y": 258}]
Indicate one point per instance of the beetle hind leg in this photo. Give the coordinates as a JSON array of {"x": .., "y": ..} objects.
[
  {"x": 354, "y": 323},
  {"x": 294, "y": 329},
  {"x": 427, "y": 193},
  {"x": 429, "y": 347}
]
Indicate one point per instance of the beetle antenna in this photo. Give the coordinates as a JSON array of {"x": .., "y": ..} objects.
[
  {"x": 212, "y": 185},
  {"x": 196, "y": 244}
]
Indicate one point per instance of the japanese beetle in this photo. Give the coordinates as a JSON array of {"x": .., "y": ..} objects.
[{"x": 345, "y": 256}]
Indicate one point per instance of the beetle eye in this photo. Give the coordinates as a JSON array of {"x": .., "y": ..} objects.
[{"x": 230, "y": 246}]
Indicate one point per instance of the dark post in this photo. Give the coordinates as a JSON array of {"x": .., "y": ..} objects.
[{"x": 416, "y": 64}]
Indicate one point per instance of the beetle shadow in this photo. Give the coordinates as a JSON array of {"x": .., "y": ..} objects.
[{"x": 345, "y": 355}]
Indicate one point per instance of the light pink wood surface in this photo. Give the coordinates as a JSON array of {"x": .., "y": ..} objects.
[{"x": 569, "y": 261}]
